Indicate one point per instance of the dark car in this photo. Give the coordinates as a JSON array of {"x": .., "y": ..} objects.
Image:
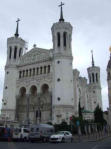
[{"x": 5, "y": 133}]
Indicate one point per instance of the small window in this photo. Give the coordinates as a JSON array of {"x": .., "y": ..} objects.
[
  {"x": 15, "y": 52},
  {"x": 93, "y": 77},
  {"x": 44, "y": 69},
  {"x": 6, "y": 87},
  {"x": 40, "y": 70},
  {"x": 48, "y": 68},
  {"x": 10, "y": 52},
  {"x": 58, "y": 39},
  {"x": 20, "y": 52},
  {"x": 58, "y": 62},
  {"x": 64, "y": 38},
  {"x": 58, "y": 79},
  {"x": 37, "y": 129},
  {"x": 96, "y": 77},
  {"x": 7, "y": 72},
  {"x": 58, "y": 98}
]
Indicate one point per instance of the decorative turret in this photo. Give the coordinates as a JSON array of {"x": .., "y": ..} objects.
[
  {"x": 61, "y": 35},
  {"x": 15, "y": 47},
  {"x": 94, "y": 85},
  {"x": 93, "y": 73}
]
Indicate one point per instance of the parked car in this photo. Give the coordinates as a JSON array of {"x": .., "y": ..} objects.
[
  {"x": 5, "y": 133},
  {"x": 61, "y": 136},
  {"x": 20, "y": 133},
  {"x": 40, "y": 132}
]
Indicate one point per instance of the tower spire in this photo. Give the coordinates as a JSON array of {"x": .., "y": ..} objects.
[
  {"x": 61, "y": 13},
  {"x": 16, "y": 33},
  {"x": 92, "y": 59}
]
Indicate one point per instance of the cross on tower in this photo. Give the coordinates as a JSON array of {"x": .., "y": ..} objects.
[
  {"x": 18, "y": 20},
  {"x": 16, "y": 33},
  {"x": 61, "y": 4},
  {"x": 61, "y": 13},
  {"x": 92, "y": 58}
]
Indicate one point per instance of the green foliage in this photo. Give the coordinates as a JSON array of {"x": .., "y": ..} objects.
[
  {"x": 98, "y": 116},
  {"x": 62, "y": 127}
]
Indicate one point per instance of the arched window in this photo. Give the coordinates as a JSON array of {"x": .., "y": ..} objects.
[
  {"x": 40, "y": 70},
  {"x": 48, "y": 68},
  {"x": 58, "y": 39},
  {"x": 33, "y": 71},
  {"x": 20, "y": 74},
  {"x": 64, "y": 38},
  {"x": 20, "y": 51},
  {"x": 23, "y": 73},
  {"x": 15, "y": 52},
  {"x": 37, "y": 71},
  {"x": 26, "y": 73},
  {"x": 44, "y": 69},
  {"x": 96, "y": 77},
  {"x": 108, "y": 74},
  {"x": 89, "y": 78},
  {"x": 93, "y": 77},
  {"x": 10, "y": 52}
]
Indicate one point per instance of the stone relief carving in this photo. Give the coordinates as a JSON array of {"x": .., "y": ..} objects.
[{"x": 35, "y": 55}]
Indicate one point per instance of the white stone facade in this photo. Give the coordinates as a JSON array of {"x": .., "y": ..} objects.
[{"x": 44, "y": 80}]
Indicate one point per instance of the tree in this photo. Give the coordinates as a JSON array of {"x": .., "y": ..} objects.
[
  {"x": 98, "y": 115},
  {"x": 80, "y": 111}
]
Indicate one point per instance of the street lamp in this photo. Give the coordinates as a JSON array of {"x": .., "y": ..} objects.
[{"x": 4, "y": 101}]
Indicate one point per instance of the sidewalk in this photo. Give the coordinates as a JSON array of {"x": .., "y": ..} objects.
[{"x": 90, "y": 138}]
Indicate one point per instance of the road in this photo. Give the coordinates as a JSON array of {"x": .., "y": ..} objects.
[{"x": 104, "y": 144}]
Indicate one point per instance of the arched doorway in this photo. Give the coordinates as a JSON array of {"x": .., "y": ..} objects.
[
  {"x": 22, "y": 91},
  {"x": 45, "y": 88},
  {"x": 21, "y": 105},
  {"x": 46, "y": 100},
  {"x": 33, "y": 90}
]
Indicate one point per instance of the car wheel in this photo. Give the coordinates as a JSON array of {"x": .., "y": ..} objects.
[
  {"x": 63, "y": 140},
  {"x": 71, "y": 140},
  {"x": 44, "y": 139}
]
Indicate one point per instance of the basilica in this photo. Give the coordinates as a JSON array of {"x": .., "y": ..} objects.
[{"x": 41, "y": 86}]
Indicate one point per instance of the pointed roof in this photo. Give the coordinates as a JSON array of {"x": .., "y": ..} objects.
[
  {"x": 16, "y": 33},
  {"x": 92, "y": 59},
  {"x": 61, "y": 13}
]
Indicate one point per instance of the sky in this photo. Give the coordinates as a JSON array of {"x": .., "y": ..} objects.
[{"x": 91, "y": 21}]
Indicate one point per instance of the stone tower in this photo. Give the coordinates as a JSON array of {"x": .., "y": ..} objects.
[
  {"x": 15, "y": 49},
  {"x": 62, "y": 94},
  {"x": 94, "y": 86},
  {"x": 109, "y": 87}
]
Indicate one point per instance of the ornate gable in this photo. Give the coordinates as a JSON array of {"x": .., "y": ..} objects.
[{"x": 35, "y": 55}]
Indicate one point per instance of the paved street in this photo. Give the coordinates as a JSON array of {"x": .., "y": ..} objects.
[{"x": 103, "y": 144}]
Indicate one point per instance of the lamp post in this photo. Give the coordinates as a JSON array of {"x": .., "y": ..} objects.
[
  {"x": 27, "y": 113},
  {"x": 4, "y": 101}
]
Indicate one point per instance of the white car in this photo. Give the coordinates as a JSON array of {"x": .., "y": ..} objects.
[
  {"x": 61, "y": 136},
  {"x": 21, "y": 134}
]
